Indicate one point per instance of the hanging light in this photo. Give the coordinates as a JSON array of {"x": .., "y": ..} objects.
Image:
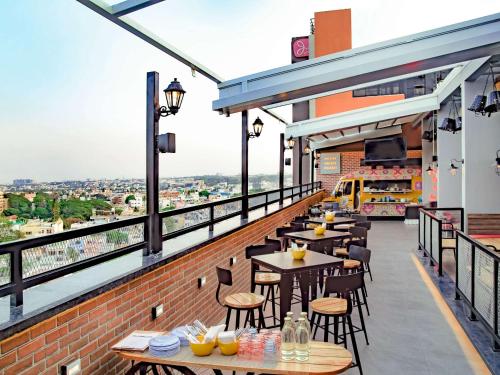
[
  {"x": 257, "y": 128},
  {"x": 174, "y": 94},
  {"x": 453, "y": 168},
  {"x": 429, "y": 170},
  {"x": 478, "y": 105},
  {"x": 291, "y": 142},
  {"x": 307, "y": 149},
  {"x": 451, "y": 124},
  {"x": 493, "y": 101}
]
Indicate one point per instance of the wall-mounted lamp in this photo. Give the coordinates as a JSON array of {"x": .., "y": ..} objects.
[
  {"x": 429, "y": 170},
  {"x": 307, "y": 149},
  {"x": 453, "y": 168},
  {"x": 290, "y": 142},
  {"x": 174, "y": 93},
  {"x": 257, "y": 129}
]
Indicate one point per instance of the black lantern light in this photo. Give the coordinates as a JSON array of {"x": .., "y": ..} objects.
[
  {"x": 429, "y": 170},
  {"x": 174, "y": 93},
  {"x": 478, "y": 105},
  {"x": 307, "y": 149},
  {"x": 257, "y": 128},
  {"x": 453, "y": 168},
  {"x": 497, "y": 163},
  {"x": 290, "y": 142},
  {"x": 451, "y": 124},
  {"x": 493, "y": 100}
]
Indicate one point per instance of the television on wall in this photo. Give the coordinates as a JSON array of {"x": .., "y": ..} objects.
[{"x": 385, "y": 149}]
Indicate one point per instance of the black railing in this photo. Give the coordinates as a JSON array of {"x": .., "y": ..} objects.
[
  {"x": 477, "y": 282},
  {"x": 435, "y": 226},
  {"x": 29, "y": 262}
]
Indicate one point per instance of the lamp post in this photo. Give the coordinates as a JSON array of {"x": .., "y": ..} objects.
[{"x": 156, "y": 143}]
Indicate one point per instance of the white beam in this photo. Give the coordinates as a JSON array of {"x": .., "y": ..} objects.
[
  {"x": 129, "y": 6},
  {"x": 367, "y": 115},
  {"x": 427, "y": 50},
  {"x": 386, "y": 132}
]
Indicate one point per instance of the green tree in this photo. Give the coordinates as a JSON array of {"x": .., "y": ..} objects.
[
  {"x": 72, "y": 254},
  {"x": 118, "y": 211},
  {"x": 41, "y": 213},
  {"x": 56, "y": 211},
  {"x": 129, "y": 198},
  {"x": 117, "y": 237},
  {"x": 204, "y": 193},
  {"x": 18, "y": 205},
  {"x": 6, "y": 232}
]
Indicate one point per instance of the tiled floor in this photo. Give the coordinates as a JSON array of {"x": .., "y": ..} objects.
[{"x": 408, "y": 334}]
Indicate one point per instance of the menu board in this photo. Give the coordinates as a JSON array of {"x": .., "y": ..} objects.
[{"x": 329, "y": 163}]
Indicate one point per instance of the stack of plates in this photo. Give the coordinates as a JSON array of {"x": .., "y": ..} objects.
[
  {"x": 180, "y": 332},
  {"x": 164, "y": 346}
]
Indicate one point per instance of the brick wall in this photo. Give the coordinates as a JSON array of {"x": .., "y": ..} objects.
[
  {"x": 350, "y": 162},
  {"x": 87, "y": 331}
]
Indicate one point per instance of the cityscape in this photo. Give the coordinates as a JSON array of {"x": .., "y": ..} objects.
[{"x": 29, "y": 208}]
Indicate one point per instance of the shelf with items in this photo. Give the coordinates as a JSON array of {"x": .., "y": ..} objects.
[{"x": 387, "y": 186}]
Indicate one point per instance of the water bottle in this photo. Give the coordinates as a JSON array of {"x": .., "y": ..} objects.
[
  {"x": 308, "y": 325},
  {"x": 290, "y": 315},
  {"x": 288, "y": 341},
  {"x": 302, "y": 341}
]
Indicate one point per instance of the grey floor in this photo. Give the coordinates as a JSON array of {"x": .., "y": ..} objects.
[{"x": 407, "y": 332}]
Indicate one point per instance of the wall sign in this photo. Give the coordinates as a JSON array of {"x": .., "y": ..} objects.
[
  {"x": 300, "y": 47},
  {"x": 329, "y": 163}
]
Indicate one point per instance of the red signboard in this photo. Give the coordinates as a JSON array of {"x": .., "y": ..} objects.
[{"x": 300, "y": 47}]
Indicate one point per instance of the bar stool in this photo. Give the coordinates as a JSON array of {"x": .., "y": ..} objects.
[
  {"x": 359, "y": 236},
  {"x": 239, "y": 301},
  {"x": 339, "y": 308},
  {"x": 265, "y": 278},
  {"x": 359, "y": 257}
]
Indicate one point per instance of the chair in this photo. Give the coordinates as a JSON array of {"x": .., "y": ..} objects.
[
  {"x": 359, "y": 259},
  {"x": 274, "y": 243},
  {"x": 364, "y": 224},
  {"x": 359, "y": 236},
  {"x": 301, "y": 218},
  {"x": 359, "y": 218},
  {"x": 340, "y": 308},
  {"x": 265, "y": 278},
  {"x": 239, "y": 301},
  {"x": 280, "y": 233}
]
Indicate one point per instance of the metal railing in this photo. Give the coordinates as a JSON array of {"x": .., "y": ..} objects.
[
  {"x": 477, "y": 283},
  {"x": 435, "y": 225},
  {"x": 29, "y": 262}
]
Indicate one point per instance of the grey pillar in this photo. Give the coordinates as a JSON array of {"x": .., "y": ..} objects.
[
  {"x": 154, "y": 227},
  {"x": 282, "y": 167},
  {"x": 244, "y": 164}
]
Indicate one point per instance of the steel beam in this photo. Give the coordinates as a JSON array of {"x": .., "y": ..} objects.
[
  {"x": 129, "y": 6},
  {"x": 393, "y": 130},
  {"x": 414, "y": 53},
  {"x": 367, "y": 115},
  {"x": 282, "y": 167},
  {"x": 244, "y": 165}
]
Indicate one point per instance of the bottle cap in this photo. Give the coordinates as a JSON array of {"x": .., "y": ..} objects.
[
  {"x": 287, "y": 318},
  {"x": 301, "y": 320}
]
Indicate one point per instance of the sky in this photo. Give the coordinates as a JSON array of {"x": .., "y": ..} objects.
[{"x": 73, "y": 85}]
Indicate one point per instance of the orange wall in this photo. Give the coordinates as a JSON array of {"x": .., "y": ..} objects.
[{"x": 333, "y": 34}]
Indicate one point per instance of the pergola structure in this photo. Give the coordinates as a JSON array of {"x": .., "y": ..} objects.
[{"x": 463, "y": 50}]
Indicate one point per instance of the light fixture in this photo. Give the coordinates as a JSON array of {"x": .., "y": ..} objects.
[
  {"x": 478, "y": 105},
  {"x": 174, "y": 93},
  {"x": 451, "y": 124},
  {"x": 291, "y": 142},
  {"x": 429, "y": 170},
  {"x": 307, "y": 149},
  {"x": 493, "y": 100},
  {"x": 257, "y": 128},
  {"x": 497, "y": 164},
  {"x": 453, "y": 168}
]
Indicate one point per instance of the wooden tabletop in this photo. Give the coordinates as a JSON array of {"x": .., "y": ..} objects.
[
  {"x": 310, "y": 236},
  {"x": 493, "y": 241},
  {"x": 283, "y": 261},
  {"x": 325, "y": 359},
  {"x": 338, "y": 220}
]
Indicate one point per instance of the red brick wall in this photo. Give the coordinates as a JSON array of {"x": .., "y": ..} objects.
[
  {"x": 350, "y": 162},
  {"x": 87, "y": 331}
]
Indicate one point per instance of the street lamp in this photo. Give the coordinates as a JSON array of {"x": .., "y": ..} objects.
[
  {"x": 174, "y": 93},
  {"x": 257, "y": 128}
]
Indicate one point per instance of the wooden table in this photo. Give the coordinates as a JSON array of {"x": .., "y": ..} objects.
[
  {"x": 490, "y": 241},
  {"x": 331, "y": 224},
  {"x": 305, "y": 270},
  {"x": 309, "y": 236},
  {"x": 325, "y": 359}
]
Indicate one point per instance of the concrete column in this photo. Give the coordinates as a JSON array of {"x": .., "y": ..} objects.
[
  {"x": 449, "y": 147},
  {"x": 480, "y": 141},
  {"x": 428, "y": 192}
]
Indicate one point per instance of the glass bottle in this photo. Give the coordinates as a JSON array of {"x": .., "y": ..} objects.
[
  {"x": 287, "y": 341},
  {"x": 290, "y": 315},
  {"x": 302, "y": 341},
  {"x": 308, "y": 325}
]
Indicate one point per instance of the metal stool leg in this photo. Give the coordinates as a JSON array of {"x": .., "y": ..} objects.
[
  {"x": 325, "y": 336},
  {"x": 237, "y": 324},
  {"x": 228, "y": 318},
  {"x": 273, "y": 302},
  {"x": 354, "y": 345},
  {"x": 361, "y": 318}
]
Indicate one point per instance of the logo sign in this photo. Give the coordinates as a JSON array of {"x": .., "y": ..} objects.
[
  {"x": 300, "y": 47},
  {"x": 329, "y": 163}
]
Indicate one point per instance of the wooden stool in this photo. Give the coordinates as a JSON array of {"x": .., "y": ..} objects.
[{"x": 239, "y": 301}]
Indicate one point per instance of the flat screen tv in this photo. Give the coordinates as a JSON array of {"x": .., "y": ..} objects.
[{"x": 385, "y": 149}]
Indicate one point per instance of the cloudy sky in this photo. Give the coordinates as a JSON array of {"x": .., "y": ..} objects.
[{"x": 72, "y": 84}]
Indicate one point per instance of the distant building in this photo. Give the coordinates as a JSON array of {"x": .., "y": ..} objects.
[
  {"x": 38, "y": 227},
  {"x": 4, "y": 202},
  {"x": 136, "y": 203},
  {"x": 30, "y": 196},
  {"x": 22, "y": 182}
]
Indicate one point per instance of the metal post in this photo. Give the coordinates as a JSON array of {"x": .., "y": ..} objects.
[
  {"x": 313, "y": 161},
  {"x": 16, "y": 274},
  {"x": 496, "y": 346},
  {"x": 473, "y": 283},
  {"x": 300, "y": 166},
  {"x": 282, "y": 167},
  {"x": 244, "y": 164},
  {"x": 154, "y": 231},
  {"x": 212, "y": 216}
]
